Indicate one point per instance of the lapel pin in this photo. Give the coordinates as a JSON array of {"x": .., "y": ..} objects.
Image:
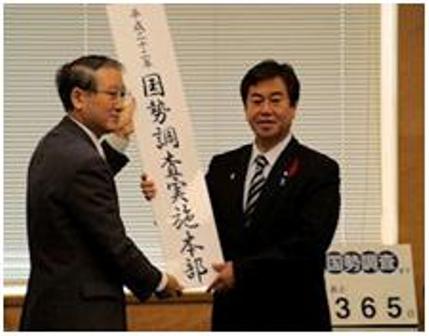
[
  {"x": 291, "y": 169},
  {"x": 283, "y": 178},
  {"x": 232, "y": 176}
]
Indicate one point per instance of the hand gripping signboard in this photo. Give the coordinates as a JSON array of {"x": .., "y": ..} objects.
[{"x": 181, "y": 207}]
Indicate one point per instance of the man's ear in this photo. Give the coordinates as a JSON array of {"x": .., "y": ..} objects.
[
  {"x": 293, "y": 111},
  {"x": 78, "y": 97}
]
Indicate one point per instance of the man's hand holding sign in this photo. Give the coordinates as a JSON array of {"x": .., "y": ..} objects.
[{"x": 225, "y": 272}]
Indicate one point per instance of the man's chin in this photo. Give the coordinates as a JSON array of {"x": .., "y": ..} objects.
[
  {"x": 267, "y": 133},
  {"x": 112, "y": 127},
  {"x": 270, "y": 137}
]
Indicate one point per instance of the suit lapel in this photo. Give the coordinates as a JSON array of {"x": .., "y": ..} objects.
[
  {"x": 237, "y": 176},
  {"x": 277, "y": 180}
]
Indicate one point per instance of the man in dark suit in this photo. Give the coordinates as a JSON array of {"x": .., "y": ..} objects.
[
  {"x": 80, "y": 254},
  {"x": 275, "y": 219},
  {"x": 276, "y": 205}
]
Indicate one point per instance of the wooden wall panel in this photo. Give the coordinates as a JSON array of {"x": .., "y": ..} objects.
[
  {"x": 191, "y": 312},
  {"x": 411, "y": 139}
]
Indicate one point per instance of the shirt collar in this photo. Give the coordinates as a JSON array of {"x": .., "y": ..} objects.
[
  {"x": 92, "y": 136},
  {"x": 273, "y": 154}
]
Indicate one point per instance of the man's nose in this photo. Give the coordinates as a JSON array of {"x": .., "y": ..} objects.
[
  {"x": 119, "y": 105},
  {"x": 266, "y": 106}
]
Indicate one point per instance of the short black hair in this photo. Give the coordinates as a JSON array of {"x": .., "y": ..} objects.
[
  {"x": 268, "y": 69},
  {"x": 80, "y": 73}
]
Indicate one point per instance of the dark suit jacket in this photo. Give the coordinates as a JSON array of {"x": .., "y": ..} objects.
[
  {"x": 80, "y": 254},
  {"x": 279, "y": 259}
]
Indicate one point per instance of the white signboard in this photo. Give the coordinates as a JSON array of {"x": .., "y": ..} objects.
[
  {"x": 371, "y": 285},
  {"x": 181, "y": 207}
]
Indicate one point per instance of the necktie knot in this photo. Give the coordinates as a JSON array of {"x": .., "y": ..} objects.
[{"x": 261, "y": 162}]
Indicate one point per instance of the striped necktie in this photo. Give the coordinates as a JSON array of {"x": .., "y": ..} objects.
[{"x": 256, "y": 184}]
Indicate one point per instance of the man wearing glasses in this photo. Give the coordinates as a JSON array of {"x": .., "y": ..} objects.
[{"x": 80, "y": 254}]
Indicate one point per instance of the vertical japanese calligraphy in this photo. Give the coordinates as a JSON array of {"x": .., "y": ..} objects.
[{"x": 182, "y": 208}]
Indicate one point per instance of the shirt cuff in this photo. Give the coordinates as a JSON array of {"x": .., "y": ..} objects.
[
  {"x": 118, "y": 143},
  {"x": 162, "y": 283}
]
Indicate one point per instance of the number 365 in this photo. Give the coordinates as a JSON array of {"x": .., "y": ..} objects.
[{"x": 368, "y": 307}]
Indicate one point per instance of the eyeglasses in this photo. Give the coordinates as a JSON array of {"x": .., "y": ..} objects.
[{"x": 115, "y": 95}]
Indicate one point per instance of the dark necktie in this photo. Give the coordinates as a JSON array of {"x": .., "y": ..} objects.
[{"x": 256, "y": 184}]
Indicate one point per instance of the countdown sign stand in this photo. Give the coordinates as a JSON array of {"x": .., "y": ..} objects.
[{"x": 371, "y": 286}]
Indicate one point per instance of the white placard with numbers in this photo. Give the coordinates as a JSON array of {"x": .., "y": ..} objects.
[{"x": 371, "y": 285}]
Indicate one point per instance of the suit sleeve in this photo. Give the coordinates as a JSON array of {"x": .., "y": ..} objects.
[
  {"x": 316, "y": 221},
  {"x": 115, "y": 159},
  {"x": 94, "y": 205}
]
